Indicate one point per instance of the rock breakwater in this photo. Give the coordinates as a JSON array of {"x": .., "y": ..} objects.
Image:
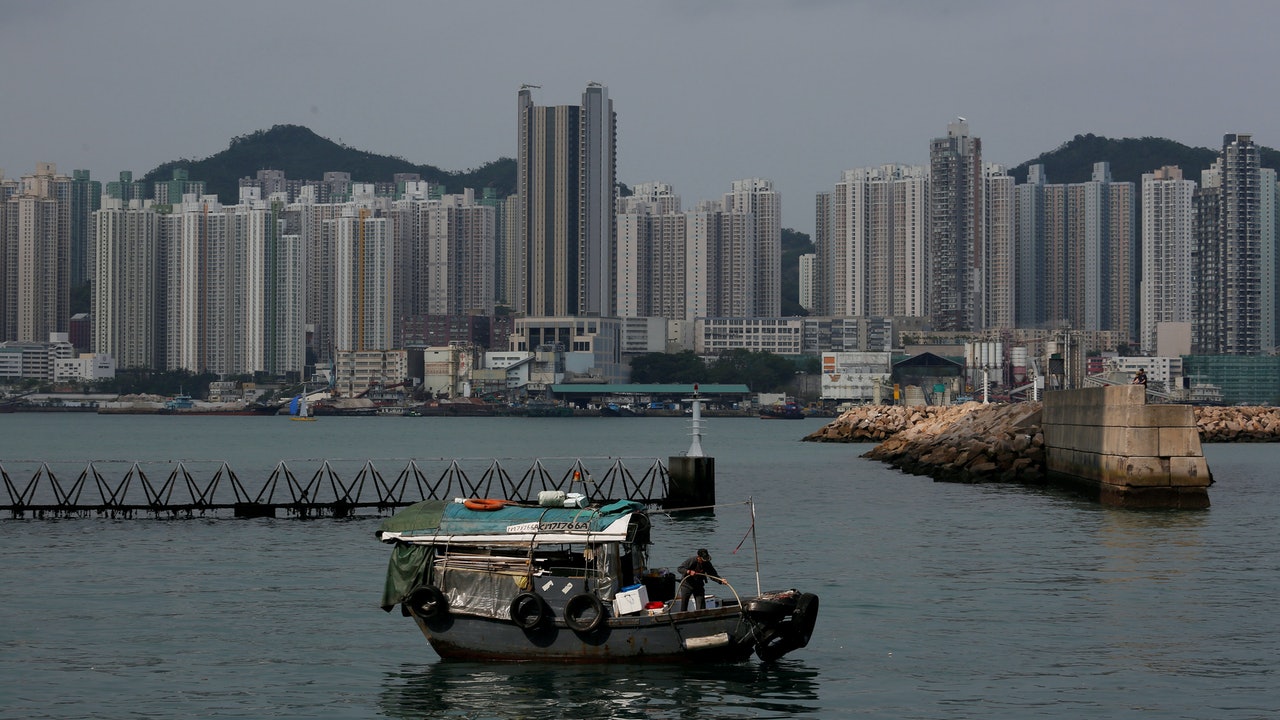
[{"x": 876, "y": 423}]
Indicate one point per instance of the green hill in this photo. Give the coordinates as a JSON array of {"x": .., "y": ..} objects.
[
  {"x": 304, "y": 155},
  {"x": 1072, "y": 162}
]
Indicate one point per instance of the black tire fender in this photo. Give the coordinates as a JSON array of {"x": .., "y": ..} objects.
[
  {"x": 584, "y": 612},
  {"x": 427, "y": 601},
  {"x": 805, "y": 616},
  {"x": 529, "y": 610}
]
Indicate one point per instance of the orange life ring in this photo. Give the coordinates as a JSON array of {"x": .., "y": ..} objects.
[{"x": 485, "y": 504}]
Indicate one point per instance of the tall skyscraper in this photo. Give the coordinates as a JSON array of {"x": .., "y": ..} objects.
[
  {"x": 720, "y": 261},
  {"x": 566, "y": 173},
  {"x": 757, "y": 197},
  {"x": 996, "y": 276},
  {"x": 364, "y": 275},
  {"x": 458, "y": 267},
  {"x": 1030, "y": 256},
  {"x": 822, "y": 219},
  {"x": 233, "y": 286},
  {"x": 199, "y": 315},
  {"x": 125, "y": 294},
  {"x": 1168, "y": 223},
  {"x": 35, "y": 239},
  {"x": 447, "y": 246},
  {"x": 1079, "y": 241},
  {"x": 955, "y": 210},
  {"x": 8, "y": 264},
  {"x": 807, "y": 274},
  {"x": 1102, "y": 253},
  {"x": 86, "y": 195},
  {"x": 876, "y": 259},
  {"x": 1235, "y": 263}
]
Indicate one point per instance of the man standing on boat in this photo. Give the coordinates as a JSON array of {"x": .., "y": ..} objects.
[{"x": 693, "y": 579}]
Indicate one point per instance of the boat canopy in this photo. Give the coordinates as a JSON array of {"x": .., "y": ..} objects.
[
  {"x": 418, "y": 529},
  {"x": 437, "y": 522}
]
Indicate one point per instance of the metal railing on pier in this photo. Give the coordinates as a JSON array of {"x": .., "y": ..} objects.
[{"x": 334, "y": 488}]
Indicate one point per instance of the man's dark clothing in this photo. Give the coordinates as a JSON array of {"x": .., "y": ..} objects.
[{"x": 693, "y": 581}]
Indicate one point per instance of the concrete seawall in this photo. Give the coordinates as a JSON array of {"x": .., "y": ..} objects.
[{"x": 1112, "y": 444}]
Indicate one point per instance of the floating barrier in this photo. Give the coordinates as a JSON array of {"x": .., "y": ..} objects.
[{"x": 124, "y": 489}]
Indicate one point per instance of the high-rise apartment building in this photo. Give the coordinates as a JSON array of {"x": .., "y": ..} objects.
[
  {"x": 175, "y": 190},
  {"x": 1030, "y": 256},
  {"x": 8, "y": 264},
  {"x": 996, "y": 278},
  {"x": 313, "y": 219},
  {"x": 364, "y": 275},
  {"x": 126, "y": 188},
  {"x": 720, "y": 277},
  {"x": 1168, "y": 223},
  {"x": 757, "y": 197},
  {"x": 125, "y": 294},
  {"x": 875, "y": 261},
  {"x": 86, "y": 195},
  {"x": 955, "y": 217},
  {"x": 1079, "y": 242},
  {"x": 807, "y": 299},
  {"x": 822, "y": 220},
  {"x": 1102, "y": 252},
  {"x": 233, "y": 286},
  {"x": 566, "y": 173},
  {"x": 652, "y": 252},
  {"x": 1235, "y": 256},
  {"x": 35, "y": 241},
  {"x": 458, "y": 257},
  {"x": 199, "y": 314}
]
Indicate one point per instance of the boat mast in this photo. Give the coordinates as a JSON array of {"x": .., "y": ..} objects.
[{"x": 755, "y": 549}]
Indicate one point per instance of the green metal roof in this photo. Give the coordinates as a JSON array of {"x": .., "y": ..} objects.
[{"x": 649, "y": 389}]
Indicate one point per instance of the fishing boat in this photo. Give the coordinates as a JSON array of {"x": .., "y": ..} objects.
[
  {"x": 181, "y": 401},
  {"x": 558, "y": 581},
  {"x": 298, "y": 409}
]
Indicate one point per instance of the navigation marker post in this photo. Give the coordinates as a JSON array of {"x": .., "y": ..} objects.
[{"x": 692, "y": 476}]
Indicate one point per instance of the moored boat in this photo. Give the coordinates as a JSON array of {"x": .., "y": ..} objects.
[
  {"x": 299, "y": 410},
  {"x": 789, "y": 410},
  {"x": 554, "y": 582}
]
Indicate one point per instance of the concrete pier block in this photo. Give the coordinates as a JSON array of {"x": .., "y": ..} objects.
[
  {"x": 1189, "y": 472},
  {"x": 1133, "y": 454},
  {"x": 691, "y": 482}
]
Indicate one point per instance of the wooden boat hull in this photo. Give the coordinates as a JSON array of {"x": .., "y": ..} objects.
[
  {"x": 769, "y": 626},
  {"x": 709, "y": 636}
]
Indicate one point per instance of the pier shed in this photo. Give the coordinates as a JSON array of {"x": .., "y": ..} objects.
[{"x": 643, "y": 394}]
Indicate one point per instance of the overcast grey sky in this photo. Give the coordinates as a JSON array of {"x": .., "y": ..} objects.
[{"x": 706, "y": 91}]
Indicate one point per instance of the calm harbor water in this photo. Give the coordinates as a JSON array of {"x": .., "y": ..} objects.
[{"x": 938, "y": 600}]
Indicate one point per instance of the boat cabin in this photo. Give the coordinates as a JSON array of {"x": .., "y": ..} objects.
[{"x": 482, "y": 557}]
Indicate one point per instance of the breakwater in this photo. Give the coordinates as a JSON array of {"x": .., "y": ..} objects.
[
  {"x": 876, "y": 423},
  {"x": 999, "y": 443}
]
